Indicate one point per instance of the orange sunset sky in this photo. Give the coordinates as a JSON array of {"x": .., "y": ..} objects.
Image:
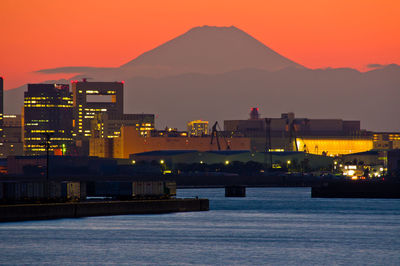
[{"x": 39, "y": 34}]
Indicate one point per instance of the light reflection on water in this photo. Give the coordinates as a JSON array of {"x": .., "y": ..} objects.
[{"x": 279, "y": 226}]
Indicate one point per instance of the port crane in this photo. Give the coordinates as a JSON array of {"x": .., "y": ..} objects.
[
  {"x": 293, "y": 135},
  {"x": 268, "y": 143},
  {"x": 215, "y": 134}
]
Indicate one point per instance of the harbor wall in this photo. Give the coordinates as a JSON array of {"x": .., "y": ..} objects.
[
  {"x": 359, "y": 189},
  {"x": 25, "y": 212}
]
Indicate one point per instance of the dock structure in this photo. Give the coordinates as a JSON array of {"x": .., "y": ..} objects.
[
  {"x": 350, "y": 189},
  {"x": 235, "y": 191},
  {"x": 26, "y": 212}
]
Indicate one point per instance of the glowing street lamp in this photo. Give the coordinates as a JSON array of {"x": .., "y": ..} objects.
[{"x": 64, "y": 149}]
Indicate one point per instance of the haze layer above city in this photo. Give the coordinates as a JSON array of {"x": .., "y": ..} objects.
[{"x": 215, "y": 73}]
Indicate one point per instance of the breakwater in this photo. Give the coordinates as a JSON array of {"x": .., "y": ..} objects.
[
  {"x": 195, "y": 181},
  {"x": 358, "y": 189},
  {"x": 25, "y": 212}
]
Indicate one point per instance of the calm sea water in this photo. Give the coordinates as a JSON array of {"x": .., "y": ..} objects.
[{"x": 276, "y": 226}]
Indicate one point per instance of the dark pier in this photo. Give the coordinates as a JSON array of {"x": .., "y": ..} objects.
[
  {"x": 235, "y": 191},
  {"x": 25, "y": 212},
  {"x": 351, "y": 189}
]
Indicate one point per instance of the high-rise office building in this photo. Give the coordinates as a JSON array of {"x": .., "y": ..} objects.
[
  {"x": 1, "y": 115},
  {"x": 47, "y": 115},
  {"x": 198, "y": 128},
  {"x": 11, "y": 139},
  {"x": 93, "y": 98},
  {"x": 1, "y": 101}
]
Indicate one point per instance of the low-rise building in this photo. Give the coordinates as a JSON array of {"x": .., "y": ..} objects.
[
  {"x": 386, "y": 140},
  {"x": 130, "y": 142},
  {"x": 197, "y": 128},
  {"x": 104, "y": 125}
]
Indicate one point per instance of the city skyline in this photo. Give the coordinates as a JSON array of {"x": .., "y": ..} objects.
[
  {"x": 122, "y": 123},
  {"x": 314, "y": 34}
]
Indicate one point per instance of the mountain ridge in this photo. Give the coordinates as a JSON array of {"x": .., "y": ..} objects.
[
  {"x": 227, "y": 90},
  {"x": 206, "y": 49},
  {"x": 210, "y": 45}
]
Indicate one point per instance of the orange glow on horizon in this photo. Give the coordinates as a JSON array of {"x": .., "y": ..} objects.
[{"x": 317, "y": 34}]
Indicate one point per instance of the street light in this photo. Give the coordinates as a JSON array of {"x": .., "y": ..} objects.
[{"x": 47, "y": 146}]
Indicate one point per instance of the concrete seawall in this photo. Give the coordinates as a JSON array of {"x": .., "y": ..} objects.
[
  {"x": 25, "y": 212},
  {"x": 358, "y": 189}
]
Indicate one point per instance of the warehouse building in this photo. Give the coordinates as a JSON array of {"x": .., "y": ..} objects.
[
  {"x": 131, "y": 142},
  {"x": 330, "y": 137}
]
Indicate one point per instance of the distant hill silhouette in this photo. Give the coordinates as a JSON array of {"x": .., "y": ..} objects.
[
  {"x": 218, "y": 73},
  {"x": 206, "y": 50},
  {"x": 212, "y": 50}
]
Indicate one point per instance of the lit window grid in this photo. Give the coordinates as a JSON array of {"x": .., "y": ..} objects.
[{"x": 35, "y": 143}]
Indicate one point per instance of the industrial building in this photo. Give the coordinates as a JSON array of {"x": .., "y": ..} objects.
[
  {"x": 330, "y": 137},
  {"x": 334, "y": 146},
  {"x": 288, "y": 123},
  {"x": 197, "y": 128},
  {"x": 131, "y": 142},
  {"x": 386, "y": 140},
  {"x": 47, "y": 118}
]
